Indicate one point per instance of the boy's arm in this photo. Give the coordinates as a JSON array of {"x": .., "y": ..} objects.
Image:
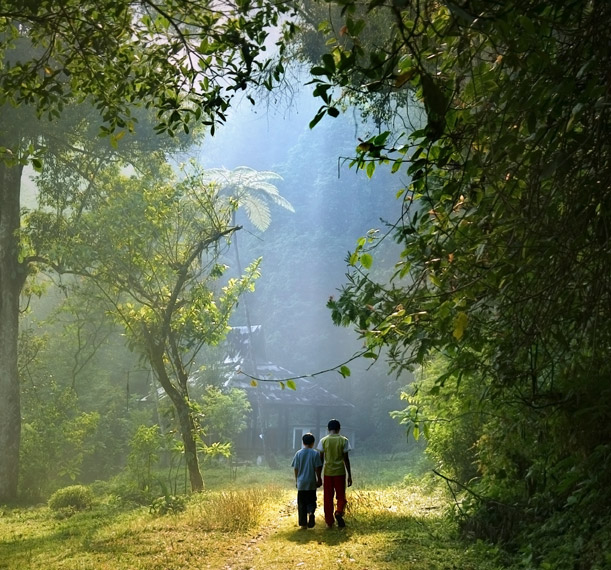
[
  {"x": 348, "y": 469},
  {"x": 296, "y": 472},
  {"x": 318, "y": 476}
]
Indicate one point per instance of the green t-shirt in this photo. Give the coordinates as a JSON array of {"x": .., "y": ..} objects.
[{"x": 334, "y": 446}]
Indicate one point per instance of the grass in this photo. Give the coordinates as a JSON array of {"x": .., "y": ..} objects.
[{"x": 250, "y": 523}]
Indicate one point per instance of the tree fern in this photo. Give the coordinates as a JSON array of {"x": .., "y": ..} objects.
[{"x": 252, "y": 189}]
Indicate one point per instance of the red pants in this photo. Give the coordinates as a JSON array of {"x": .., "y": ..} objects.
[{"x": 334, "y": 484}]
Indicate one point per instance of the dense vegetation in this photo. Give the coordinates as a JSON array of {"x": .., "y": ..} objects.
[
  {"x": 501, "y": 291},
  {"x": 489, "y": 280}
]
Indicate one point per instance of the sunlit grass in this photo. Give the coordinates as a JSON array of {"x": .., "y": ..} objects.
[
  {"x": 247, "y": 523},
  {"x": 232, "y": 510}
]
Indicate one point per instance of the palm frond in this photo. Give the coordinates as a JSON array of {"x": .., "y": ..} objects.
[
  {"x": 252, "y": 189},
  {"x": 257, "y": 211}
]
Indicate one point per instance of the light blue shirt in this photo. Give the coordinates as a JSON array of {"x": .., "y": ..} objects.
[{"x": 306, "y": 461}]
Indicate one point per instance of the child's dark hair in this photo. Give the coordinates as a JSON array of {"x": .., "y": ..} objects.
[
  {"x": 308, "y": 439},
  {"x": 333, "y": 425}
]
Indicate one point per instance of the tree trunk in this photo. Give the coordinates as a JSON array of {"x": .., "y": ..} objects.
[
  {"x": 12, "y": 277},
  {"x": 185, "y": 419},
  {"x": 187, "y": 430}
]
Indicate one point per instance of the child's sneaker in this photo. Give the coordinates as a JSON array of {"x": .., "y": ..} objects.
[
  {"x": 340, "y": 520},
  {"x": 311, "y": 520}
]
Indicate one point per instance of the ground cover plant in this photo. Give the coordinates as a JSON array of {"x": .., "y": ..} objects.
[{"x": 249, "y": 523}]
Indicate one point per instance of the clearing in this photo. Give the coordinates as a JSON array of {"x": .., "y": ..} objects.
[{"x": 250, "y": 523}]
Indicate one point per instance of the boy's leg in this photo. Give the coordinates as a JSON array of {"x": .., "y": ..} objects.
[
  {"x": 311, "y": 501},
  {"x": 327, "y": 487},
  {"x": 302, "y": 508},
  {"x": 340, "y": 491},
  {"x": 311, "y": 507}
]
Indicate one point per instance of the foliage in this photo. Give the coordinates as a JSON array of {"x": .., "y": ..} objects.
[
  {"x": 168, "y": 504},
  {"x": 451, "y": 425},
  {"x": 324, "y": 25},
  {"x": 77, "y": 497},
  {"x": 76, "y": 407},
  {"x": 150, "y": 244},
  {"x": 185, "y": 60},
  {"x": 145, "y": 449},
  {"x": 251, "y": 190},
  {"x": 111, "y": 440},
  {"x": 217, "y": 449},
  {"x": 182, "y": 61},
  {"x": 56, "y": 440},
  {"x": 503, "y": 228},
  {"x": 224, "y": 414}
]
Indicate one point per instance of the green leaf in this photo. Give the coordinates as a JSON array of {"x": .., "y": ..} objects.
[
  {"x": 370, "y": 169},
  {"x": 317, "y": 70},
  {"x": 329, "y": 62},
  {"x": 460, "y": 324},
  {"x": 366, "y": 260},
  {"x": 344, "y": 371},
  {"x": 434, "y": 99},
  {"x": 291, "y": 384},
  {"x": 317, "y": 118}
]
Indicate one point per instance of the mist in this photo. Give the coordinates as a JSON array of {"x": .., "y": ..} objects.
[
  {"x": 303, "y": 264},
  {"x": 304, "y": 253}
]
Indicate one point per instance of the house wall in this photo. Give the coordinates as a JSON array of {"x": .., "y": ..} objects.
[{"x": 284, "y": 426}]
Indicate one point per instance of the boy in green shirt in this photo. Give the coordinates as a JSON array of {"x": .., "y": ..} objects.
[{"x": 334, "y": 450}]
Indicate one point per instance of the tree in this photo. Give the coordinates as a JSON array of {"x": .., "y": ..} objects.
[
  {"x": 253, "y": 191},
  {"x": 150, "y": 245},
  {"x": 183, "y": 60},
  {"x": 503, "y": 228},
  {"x": 224, "y": 414},
  {"x": 250, "y": 189}
]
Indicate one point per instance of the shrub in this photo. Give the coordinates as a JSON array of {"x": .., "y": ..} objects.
[
  {"x": 145, "y": 447},
  {"x": 77, "y": 497},
  {"x": 168, "y": 504},
  {"x": 56, "y": 440}
]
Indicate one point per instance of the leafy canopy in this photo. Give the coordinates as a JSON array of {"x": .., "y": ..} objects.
[
  {"x": 504, "y": 226},
  {"x": 185, "y": 59}
]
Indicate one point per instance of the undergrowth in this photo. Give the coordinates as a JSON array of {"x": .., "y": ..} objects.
[{"x": 250, "y": 522}]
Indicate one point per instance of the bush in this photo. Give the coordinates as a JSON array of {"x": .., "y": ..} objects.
[
  {"x": 77, "y": 497},
  {"x": 168, "y": 504},
  {"x": 56, "y": 440}
]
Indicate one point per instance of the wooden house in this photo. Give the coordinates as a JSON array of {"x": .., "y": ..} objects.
[{"x": 280, "y": 415}]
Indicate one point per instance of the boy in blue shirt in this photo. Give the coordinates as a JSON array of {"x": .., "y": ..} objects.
[{"x": 308, "y": 468}]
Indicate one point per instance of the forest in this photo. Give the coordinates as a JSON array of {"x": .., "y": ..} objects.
[{"x": 223, "y": 223}]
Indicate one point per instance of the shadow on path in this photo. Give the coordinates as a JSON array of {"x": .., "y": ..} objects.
[{"x": 318, "y": 535}]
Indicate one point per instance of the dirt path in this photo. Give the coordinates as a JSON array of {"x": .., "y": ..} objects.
[
  {"x": 281, "y": 545},
  {"x": 385, "y": 531},
  {"x": 248, "y": 554}
]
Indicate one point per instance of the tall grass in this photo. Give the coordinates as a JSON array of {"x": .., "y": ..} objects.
[{"x": 234, "y": 510}]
